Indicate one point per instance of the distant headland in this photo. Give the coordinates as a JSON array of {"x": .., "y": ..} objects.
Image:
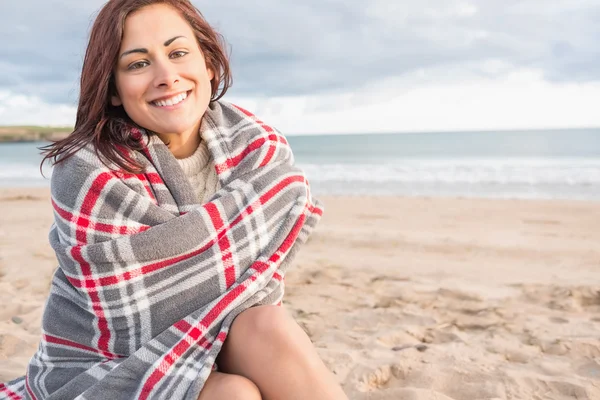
[{"x": 13, "y": 134}]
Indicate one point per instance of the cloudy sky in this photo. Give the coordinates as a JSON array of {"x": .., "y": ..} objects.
[{"x": 323, "y": 66}]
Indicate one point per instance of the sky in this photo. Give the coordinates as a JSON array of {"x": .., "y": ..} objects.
[{"x": 347, "y": 66}]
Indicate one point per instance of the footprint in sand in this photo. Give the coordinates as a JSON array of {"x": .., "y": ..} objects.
[
  {"x": 589, "y": 369},
  {"x": 558, "y": 320},
  {"x": 458, "y": 295},
  {"x": 558, "y": 389},
  {"x": 436, "y": 336},
  {"x": 21, "y": 198},
  {"x": 389, "y": 383},
  {"x": 12, "y": 345},
  {"x": 398, "y": 339},
  {"x": 381, "y": 377},
  {"x": 563, "y": 298},
  {"x": 327, "y": 274}
]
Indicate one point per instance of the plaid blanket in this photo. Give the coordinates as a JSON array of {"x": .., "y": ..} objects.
[{"x": 149, "y": 281}]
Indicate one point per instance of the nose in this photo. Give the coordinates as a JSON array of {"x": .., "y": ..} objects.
[{"x": 167, "y": 75}]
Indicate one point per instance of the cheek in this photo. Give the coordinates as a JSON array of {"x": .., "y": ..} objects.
[
  {"x": 132, "y": 91},
  {"x": 134, "y": 102}
]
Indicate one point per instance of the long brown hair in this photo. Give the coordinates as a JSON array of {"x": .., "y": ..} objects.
[{"x": 98, "y": 121}]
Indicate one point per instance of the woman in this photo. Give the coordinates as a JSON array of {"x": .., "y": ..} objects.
[{"x": 176, "y": 217}]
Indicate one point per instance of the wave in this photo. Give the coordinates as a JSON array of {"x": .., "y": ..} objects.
[
  {"x": 497, "y": 178},
  {"x": 19, "y": 174},
  {"x": 585, "y": 172}
]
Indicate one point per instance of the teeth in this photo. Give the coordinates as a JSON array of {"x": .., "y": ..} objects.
[{"x": 172, "y": 101}]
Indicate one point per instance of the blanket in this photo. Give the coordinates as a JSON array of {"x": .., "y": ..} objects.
[{"x": 149, "y": 281}]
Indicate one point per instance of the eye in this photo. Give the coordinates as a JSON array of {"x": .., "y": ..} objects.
[
  {"x": 178, "y": 54},
  {"x": 138, "y": 65}
]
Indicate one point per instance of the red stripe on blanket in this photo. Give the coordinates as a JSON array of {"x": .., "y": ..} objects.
[
  {"x": 257, "y": 144},
  {"x": 88, "y": 204},
  {"x": 146, "y": 152},
  {"x": 68, "y": 343},
  {"x": 146, "y": 181},
  {"x": 224, "y": 245},
  {"x": 141, "y": 177},
  {"x": 11, "y": 395},
  {"x": 315, "y": 210},
  {"x": 155, "y": 178},
  {"x": 90, "y": 286},
  {"x": 258, "y": 121},
  {"x": 99, "y": 226},
  {"x": 182, "y": 325},
  {"x": 269, "y": 154},
  {"x": 276, "y": 138},
  {"x": 170, "y": 359},
  {"x": 248, "y": 113},
  {"x": 31, "y": 394},
  {"x": 194, "y": 334}
]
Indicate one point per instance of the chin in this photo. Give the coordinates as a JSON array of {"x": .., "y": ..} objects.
[{"x": 176, "y": 128}]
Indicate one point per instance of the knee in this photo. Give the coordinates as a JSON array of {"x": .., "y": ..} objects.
[
  {"x": 236, "y": 387},
  {"x": 268, "y": 324},
  {"x": 230, "y": 387}
]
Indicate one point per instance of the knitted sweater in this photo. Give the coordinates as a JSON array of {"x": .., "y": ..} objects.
[{"x": 200, "y": 170}]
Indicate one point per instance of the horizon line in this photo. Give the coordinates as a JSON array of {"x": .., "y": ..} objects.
[{"x": 385, "y": 132}]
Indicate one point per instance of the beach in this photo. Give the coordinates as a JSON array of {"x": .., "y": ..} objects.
[{"x": 404, "y": 297}]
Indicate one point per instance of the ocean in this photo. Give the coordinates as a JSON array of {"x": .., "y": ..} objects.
[{"x": 541, "y": 164}]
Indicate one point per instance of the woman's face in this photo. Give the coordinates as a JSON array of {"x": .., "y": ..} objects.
[{"x": 161, "y": 76}]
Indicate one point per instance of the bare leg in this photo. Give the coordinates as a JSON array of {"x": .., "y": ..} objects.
[
  {"x": 220, "y": 386},
  {"x": 266, "y": 346}
]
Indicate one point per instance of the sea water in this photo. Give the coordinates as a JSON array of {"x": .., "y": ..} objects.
[{"x": 541, "y": 164}]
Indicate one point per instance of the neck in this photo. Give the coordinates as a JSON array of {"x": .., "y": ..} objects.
[{"x": 183, "y": 144}]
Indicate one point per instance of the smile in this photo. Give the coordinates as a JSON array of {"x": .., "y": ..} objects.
[{"x": 171, "y": 101}]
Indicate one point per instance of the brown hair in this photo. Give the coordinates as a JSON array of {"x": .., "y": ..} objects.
[{"x": 98, "y": 121}]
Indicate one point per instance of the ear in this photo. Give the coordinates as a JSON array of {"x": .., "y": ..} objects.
[
  {"x": 211, "y": 74},
  {"x": 115, "y": 100}
]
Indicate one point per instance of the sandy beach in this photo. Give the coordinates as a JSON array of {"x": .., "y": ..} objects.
[{"x": 405, "y": 298}]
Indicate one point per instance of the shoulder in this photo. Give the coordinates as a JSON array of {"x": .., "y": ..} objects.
[
  {"x": 239, "y": 129},
  {"x": 79, "y": 165},
  {"x": 81, "y": 172},
  {"x": 235, "y": 122},
  {"x": 241, "y": 140}
]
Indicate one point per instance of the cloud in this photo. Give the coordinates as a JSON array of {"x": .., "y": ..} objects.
[
  {"x": 521, "y": 100},
  {"x": 19, "y": 109},
  {"x": 42, "y": 51},
  {"x": 333, "y": 45},
  {"x": 326, "y": 50}
]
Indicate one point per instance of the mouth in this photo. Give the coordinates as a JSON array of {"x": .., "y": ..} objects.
[{"x": 171, "y": 101}]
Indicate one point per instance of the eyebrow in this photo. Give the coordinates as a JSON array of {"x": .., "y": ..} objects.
[{"x": 145, "y": 51}]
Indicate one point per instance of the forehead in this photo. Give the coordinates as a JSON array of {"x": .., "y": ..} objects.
[{"x": 155, "y": 23}]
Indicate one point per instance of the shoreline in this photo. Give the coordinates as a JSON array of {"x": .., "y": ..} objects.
[
  {"x": 43, "y": 189},
  {"x": 449, "y": 298}
]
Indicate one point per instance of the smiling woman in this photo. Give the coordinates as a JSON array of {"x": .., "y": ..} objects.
[
  {"x": 177, "y": 216},
  {"x": 129, "y": 68}
]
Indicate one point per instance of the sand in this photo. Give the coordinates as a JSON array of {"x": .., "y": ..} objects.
[{"x": 404, "y": 298}]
